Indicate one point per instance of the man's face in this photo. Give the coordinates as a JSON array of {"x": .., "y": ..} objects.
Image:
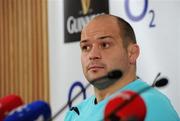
[{"x": 102, "y": 49}]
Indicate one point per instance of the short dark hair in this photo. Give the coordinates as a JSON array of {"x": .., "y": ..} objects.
[{"x": 127, "y": 31}]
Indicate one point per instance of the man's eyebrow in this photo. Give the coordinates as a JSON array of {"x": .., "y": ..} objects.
[
  {"x": 83, "y": 41},
  {"x": 103, "y": 37},
  {"x": 100, "y": 38}
]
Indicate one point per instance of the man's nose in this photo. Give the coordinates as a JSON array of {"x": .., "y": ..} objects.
[{"x": 95, "y": 53}]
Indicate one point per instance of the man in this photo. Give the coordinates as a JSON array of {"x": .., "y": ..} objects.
[{"x": 108, "y": 43}]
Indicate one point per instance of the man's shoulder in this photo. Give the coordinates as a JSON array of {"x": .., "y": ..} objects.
[
  {"x": 149, "y": 93},
  {"x": 157, "y": 104}
]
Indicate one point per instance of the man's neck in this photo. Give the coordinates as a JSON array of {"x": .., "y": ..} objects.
[{"x": 102, "y": 94}]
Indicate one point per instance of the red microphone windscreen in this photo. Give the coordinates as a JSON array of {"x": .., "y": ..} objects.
[
  {"x": 126, "y": 106},
  {"x": 8, "y": 103}
]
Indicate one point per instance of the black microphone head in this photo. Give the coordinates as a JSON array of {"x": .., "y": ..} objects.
[
  {"x": 161, "y": 82},
  {"x": 115, "y": 74},
  {"x": 107, "y": 80}
]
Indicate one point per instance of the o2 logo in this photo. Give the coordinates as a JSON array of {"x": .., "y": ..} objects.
[
  {"x": 74, "y": 86},
  {"x": 139, "y": 17}
]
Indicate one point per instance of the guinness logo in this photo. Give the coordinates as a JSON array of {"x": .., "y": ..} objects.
[
  {"x": 85, "y": 6},
  {"x": 77, "y": 13}
]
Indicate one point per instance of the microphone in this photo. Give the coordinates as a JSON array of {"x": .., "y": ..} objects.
[
  {"x": 107, "y": 80},
  {"x": 128, "y": 105},
  {"x": 116, "y": 111},
  {"x": 159, "y": 82},
  {"x": 8, "y": 103},
  {"x": 101, "y": 83},
  {"x": 35, "y": 111}
]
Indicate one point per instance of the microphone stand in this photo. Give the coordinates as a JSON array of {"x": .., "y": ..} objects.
[{"x": 66, "y": 105}]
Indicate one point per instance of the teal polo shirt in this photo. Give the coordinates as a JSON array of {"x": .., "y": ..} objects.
[{"x": 159, "y": 108}]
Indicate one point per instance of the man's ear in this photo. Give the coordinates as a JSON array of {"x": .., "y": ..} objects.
[{"x": 133, "y": 53}]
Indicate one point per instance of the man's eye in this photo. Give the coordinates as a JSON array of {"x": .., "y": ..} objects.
[
  {"x": 85, "y": 48},
  {"x": 105, "y": 45}
]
